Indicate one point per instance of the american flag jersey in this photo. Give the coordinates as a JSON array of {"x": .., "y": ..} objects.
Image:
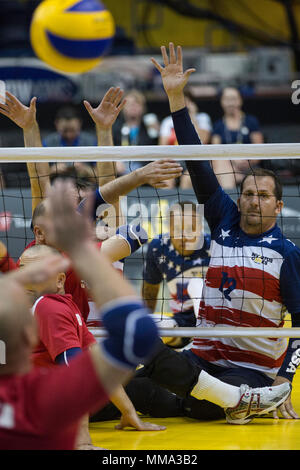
[
  {"x": 252, "y": 281},
  {"x": 163, "y": 262}
]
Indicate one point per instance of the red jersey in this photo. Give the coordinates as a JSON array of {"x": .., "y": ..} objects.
[
  {"x": 41, "y": 410},
  {"x": 60, "y": 326},
  {"x": 7, "y": 264}
]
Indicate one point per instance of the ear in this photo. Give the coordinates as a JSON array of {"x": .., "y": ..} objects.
[
  {"x": 60, "y": 280},
  {"x": 39, "y": 234},
  {"x": 279, "y": 206}
]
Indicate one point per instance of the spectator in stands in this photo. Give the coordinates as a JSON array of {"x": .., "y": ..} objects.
[
  {"x": 235, "y": 127},
  {"x": 69, "y": 133},
  {"x": 135, "y": 128}
]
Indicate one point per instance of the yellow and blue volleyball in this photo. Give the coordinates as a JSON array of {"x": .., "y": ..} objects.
[{"x": 71, "y": 35}]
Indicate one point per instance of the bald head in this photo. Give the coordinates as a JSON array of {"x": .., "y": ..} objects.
[{"x": 53, "y": 285}]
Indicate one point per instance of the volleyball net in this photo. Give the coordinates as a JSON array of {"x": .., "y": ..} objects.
[{"x": 149, "y": 207}]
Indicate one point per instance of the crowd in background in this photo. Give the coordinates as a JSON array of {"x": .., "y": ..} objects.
[{"x": 136, "y": 126}]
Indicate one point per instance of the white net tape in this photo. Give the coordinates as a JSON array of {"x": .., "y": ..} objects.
[
  {"x": 146, "y": 153},
  {"x": 182, "y": 152}
]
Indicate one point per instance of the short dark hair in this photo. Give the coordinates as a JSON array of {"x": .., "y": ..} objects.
[
  {"x": 265, "y": 172},
  {"x": 67, "y": 112},
  {"x": 40, "y": 210}
]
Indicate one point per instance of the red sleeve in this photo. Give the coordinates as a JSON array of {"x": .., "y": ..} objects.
[
  {"x": 57, "y": 326},
  {"x": 7, "y": 264},
  {"x": 60, "y": 396}
]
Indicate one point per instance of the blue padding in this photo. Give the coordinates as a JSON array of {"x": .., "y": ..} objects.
[
  {"x": 98, "y": 201},
  {"x": 135, "y": 235},
  {"x": 79, "y": 49},
  {"x": 132, "y": 333},
  {"x": 86, "y": 5}
]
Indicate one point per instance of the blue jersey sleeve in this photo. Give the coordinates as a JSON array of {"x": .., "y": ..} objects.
[
  {"x": 152, "y": 274},
  {"x": 220, "y": 208},
  {"x": 203, "y": 178},
  {"x": 290, "y": 281}
]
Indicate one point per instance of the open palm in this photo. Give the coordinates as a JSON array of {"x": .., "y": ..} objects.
[
  {"x": 20, "y": 114},
  {"x": 173, "y": 77},
  {"x": 108, "y": 110}
]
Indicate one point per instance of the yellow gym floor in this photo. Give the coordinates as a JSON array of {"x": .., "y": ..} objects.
[{"x": 187, "y": 434}]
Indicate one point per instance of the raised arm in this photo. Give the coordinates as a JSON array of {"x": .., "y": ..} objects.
[
  {"x": 25, "y": 118},
  {"x": 174, "y": 80},
  {"x": 104, "y": 116}
]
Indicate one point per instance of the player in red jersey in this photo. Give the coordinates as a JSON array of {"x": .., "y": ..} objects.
[
  {"x": 63, "y": 334},
  {"x": 41, "y": 408}
]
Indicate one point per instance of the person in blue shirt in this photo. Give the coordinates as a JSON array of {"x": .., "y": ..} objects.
[
  {"x": 180, "y": 258},
  {"x": 235, "y": 127}
]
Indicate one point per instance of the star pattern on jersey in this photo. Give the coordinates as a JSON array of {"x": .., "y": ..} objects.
[
  {"x": 269, "y": 239},
  {"x": 224, "y": 234},
  {"x": 197, "y": 261},
  {"x": 162, "y": 259}
]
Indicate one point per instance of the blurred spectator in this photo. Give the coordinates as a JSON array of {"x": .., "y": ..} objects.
[
  {"x": 201, "y": 121},
  {"x": 69, "y": 133},
  {"x": 235, "y": 127},
  {"x": 135, "y": 127},
  {"x": 203, "y": 126}
]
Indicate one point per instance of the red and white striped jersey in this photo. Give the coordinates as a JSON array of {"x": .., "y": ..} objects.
[{"x": 252, "y": 281}]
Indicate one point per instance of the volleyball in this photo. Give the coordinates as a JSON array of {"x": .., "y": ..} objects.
[{"x": 71, "y": 35}]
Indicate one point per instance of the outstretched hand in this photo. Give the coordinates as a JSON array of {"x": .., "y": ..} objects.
[
  {"x": 23, "y": 116},
  {"x": 132, "y": 420},
  {"x": 158, "y": 172},
  {"x": 286, "y": 409},
  {"x": 105, "y": 114},
  {"x": 173, "y": 77}
]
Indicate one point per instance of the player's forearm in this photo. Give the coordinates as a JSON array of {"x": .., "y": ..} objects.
[
  {"x": 104, "y": 136},
  {"x": 32, "y": 136},
  {"x": 176, "y": 101},
  {"x": 39, "y": 181},
  {"x": 204, "y": 180},
  {"x": 121, "y": 400},
  {"x": 122, "y": 186}
]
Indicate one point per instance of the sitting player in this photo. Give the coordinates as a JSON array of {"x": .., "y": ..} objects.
[
  {"x": 179, "y": 257},
  {"x": 41, "y": 408},
  {"x": 63, "y": 335}
]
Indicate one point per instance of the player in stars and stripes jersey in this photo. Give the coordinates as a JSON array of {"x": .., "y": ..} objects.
[
  {"x": 179, "y": 258},
  {"x": 253, "y": 278}
]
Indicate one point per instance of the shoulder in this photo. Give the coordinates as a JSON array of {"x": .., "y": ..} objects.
[
  {"x": 251, "y": 121},
  {"x": 54, "y": 304},
  {"x": 52, "y": 140},
  {"x": 86, "y": 138},
  {"x": 218, "y": 126},
  {"x": 155, "y": 246}
]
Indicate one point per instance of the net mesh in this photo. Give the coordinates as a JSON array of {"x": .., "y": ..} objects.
[{"x": 171, "y": 285}]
